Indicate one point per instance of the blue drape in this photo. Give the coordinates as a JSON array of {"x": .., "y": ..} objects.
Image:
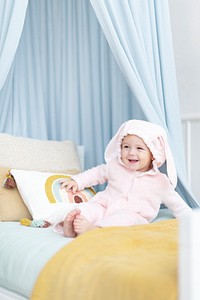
[
  {"x": 64, "y": 82},
  {"x": 139, "y": 35},
  {"x": 12, "y": 15}
]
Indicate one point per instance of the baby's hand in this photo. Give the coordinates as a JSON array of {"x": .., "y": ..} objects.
[{"x": 69, "y": 185}]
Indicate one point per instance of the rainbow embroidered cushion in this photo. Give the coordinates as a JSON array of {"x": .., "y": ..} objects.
[{"x": 43, "y": 196}]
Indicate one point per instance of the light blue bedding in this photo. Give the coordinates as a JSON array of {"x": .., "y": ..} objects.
[
  {"x": 23, "y": 253},
  {"x": 25, "y": 250},
  {"x": 164, "y": 214}
]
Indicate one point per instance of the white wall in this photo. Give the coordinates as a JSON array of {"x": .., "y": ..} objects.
[{"x": 185, "y": 20}]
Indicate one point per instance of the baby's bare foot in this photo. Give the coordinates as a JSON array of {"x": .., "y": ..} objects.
[
  {"x": 81, "y": 224},
  {"x": 68, "y": 224}
]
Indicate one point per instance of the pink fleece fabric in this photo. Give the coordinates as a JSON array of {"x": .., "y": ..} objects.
[
  {"x": 130, "y": 197},
  {"x": 154, "y": 137}
]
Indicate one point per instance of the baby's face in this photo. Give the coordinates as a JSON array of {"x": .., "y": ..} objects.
[{"x": 135, "y": 155}]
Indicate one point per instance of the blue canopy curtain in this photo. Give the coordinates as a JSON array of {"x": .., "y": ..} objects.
[
  {"x": 139, "y": 35},
  {"x": 64, "y": 82},
  {"x": 12, "y": 15}
]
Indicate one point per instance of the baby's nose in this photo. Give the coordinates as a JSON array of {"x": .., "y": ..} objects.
[{"x": 132, "y": 151}]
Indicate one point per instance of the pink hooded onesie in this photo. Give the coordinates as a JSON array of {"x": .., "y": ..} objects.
[{"x": 130, "y": 197}]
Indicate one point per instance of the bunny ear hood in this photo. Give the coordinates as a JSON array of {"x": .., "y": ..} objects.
[{"x": 154, "y": 136}]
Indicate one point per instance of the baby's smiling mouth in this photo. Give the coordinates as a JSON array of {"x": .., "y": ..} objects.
[{"x": 133, "y": 160}]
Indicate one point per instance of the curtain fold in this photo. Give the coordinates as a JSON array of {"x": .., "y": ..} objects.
[
  {"x": 139, "y": 35},
  {"x": 64, "y": 82},
  {"x": 12, "y": 16}
]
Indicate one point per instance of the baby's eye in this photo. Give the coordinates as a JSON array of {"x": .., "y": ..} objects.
[
  {"x": 140, "y": 148},
  {"x": 125, "y": 146}
]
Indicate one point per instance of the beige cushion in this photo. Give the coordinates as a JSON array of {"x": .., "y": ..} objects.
[
  {"x": 31, "y": 154},
  {"x": 12, "y": 207}
]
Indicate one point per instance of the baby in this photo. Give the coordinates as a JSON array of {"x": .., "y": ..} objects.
[{"x": 135, "y": 186}]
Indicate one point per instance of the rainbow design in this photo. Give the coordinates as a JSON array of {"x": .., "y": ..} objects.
[{"x": 57, "y": 195}]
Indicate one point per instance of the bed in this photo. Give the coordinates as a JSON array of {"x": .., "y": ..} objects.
[{"x": 138, "y": 262}]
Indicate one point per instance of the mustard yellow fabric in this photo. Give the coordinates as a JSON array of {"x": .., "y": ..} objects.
[{"x": 114, "y": 263}]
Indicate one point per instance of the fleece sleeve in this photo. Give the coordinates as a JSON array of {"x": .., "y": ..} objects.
[
  {"x": 175, "y": 203},
  {"x": 92, "y": 177}
]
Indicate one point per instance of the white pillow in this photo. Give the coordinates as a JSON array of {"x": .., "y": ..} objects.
[
  {"x": 42, "y": 195},
  {"x": 39, "y": 155}
]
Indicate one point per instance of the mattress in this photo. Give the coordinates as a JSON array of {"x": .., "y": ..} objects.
[{"x": 24, "y": 251}]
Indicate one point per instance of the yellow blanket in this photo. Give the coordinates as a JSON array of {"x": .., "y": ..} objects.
[{"x": 114, "y": 263}]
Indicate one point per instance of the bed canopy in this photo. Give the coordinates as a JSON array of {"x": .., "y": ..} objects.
[{"x": 77, "y": 69}]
